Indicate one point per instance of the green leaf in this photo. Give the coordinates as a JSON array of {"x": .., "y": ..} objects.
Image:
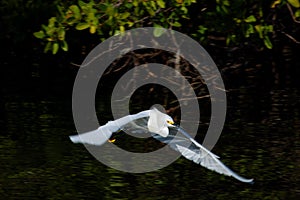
[
  {"x": 153, "y": 4},
  {"x": 259, "y": 30},
  {"x": 184, "y": 9},
  {"x": 275, "y": 3},
  {"x": 294, "y": 3},
  {"x": 47, "y": 47},
  {"x": 201, "y": 29},
  {"x": 91, "y": 16},
  {"x": 227, "y": 40},
  {"x": 82, "y": 26},
  {"x": 161, "y": 3},
  {"x": 64, "y": 46},
  {"x": 124, "y": 15},
  {"x": 55, "y": 48},
  {"x": 158, "y": 30},
  {"x": 297, "y": 13},
  {"x": 93, "y": 29},
  {"x": 122, "y": 29},
  {"x": 135, "y": 3},
  {"x": 110, "y": 10},
  {"x": 250, "y": 19},
  {"x": 150, "y": 10},
  {"x": 76, "y": 11},
  {"x": 128, "y": 5},
  {"x": 81, "y": 4},
  {"x": 50, "y": 31},
  {"x": 176, "y": 24},
  {"x": 45, "y": 27},
  {"x": 249, "y": 31},
  {"x": 52, "y": 21},
  {"x": 130, "y": 24},
  {"x": 116, "y": 32},
  {"x": 61, "y": 34},
  {"x": 39, "y": 35},
  {"x": 60, "y": 10},
  {"x": 269, "y": 28},
  {"x": 267, "y": 42}
]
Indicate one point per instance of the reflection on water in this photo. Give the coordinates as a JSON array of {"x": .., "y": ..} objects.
[{"x": 260, "y": 141}]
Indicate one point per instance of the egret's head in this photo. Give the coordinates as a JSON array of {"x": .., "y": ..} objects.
[
  {"x": 169, "y": 121},
  {"x": 159, "y": 122}
]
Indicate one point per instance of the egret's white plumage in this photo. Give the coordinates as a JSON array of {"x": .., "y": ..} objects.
[
  {"x": 103, "y": 133},
  {"x": 161, "y": 127},
  {"x": 159, "y": 122}
]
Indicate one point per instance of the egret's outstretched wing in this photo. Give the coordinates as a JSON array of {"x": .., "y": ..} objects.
[
  {"x": 138, "y": 126},
  {"x": 103, "y": 133},
  {"x": 192, "y": 150}
]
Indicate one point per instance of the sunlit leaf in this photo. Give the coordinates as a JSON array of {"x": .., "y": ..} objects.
[
  {"x": 237, "y": 20},
  {"x": 135, "y": 3},
  {"x": 184, "y": 9},
  {"x": 227, "y": 40},
  {"x": 297, "y": 13},
  {"x": 249, "y": 31},
  {"x": 117, "y": 32},
  {"x": 61, "y": 34},
  {"x": 250, "y": 19},
  {"x": 124, "y": 15},
  {"x": 294, "y": 3},
  {"x": 275, "y": 3},
  {"x": 150, "y": 10},
  {"x": 122, "y": 29},
  {"x": 76, "y": 11},
  {"x": 153, "y": 4},
  {"x": 176, "y": 24},
  {"x": 258, "y": 29},
  {"x": 39, "y": 34},
  {"x": 130, "y": 24},
  {"x": 81, "y": 3},
  {"x": 55, "y": 47},
  {"x": 47, "y": 47},
  {"x": 201, "y": 29},
  {"x": 269, "y": 28},
  {"x": 93, "y": 29},
  {"x": 50, "y": 39},
  {"x": 82, "y": 26},
  {"x": 267, "y": 42},
  {"x": 161, "y": 3},
  {"x": 52, "y": 21},
  {"x": 158, "y": 31},
  {"x": 64, "y": 46}
]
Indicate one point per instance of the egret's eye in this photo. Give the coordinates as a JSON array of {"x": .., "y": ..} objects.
[{"x": 170, "y": 122}]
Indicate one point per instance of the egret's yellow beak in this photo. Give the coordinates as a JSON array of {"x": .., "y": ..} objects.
[{"x": 170, "y": 122}]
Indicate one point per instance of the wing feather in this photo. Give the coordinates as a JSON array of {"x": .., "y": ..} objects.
[{"x": 192, "y": 150}]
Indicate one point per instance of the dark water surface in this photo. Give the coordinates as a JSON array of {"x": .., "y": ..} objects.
[{"x": 260, "y": 140}]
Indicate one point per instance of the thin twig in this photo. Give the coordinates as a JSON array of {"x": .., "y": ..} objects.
[
  {"x": 77, "y": 65},
  {"x": 292, "y": 13},
  {"x": 291, "y": 37}
]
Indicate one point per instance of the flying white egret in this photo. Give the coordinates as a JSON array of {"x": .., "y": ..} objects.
[{"x": 162, "y": 127}]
